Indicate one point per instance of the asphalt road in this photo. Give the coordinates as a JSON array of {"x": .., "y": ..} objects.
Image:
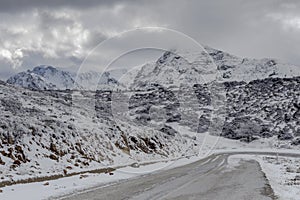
[{"x": 208, "y": 179}]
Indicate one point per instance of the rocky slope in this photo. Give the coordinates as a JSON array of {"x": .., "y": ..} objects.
[
  {"x": 261, "y": 97},
  {"x": 54, "y": 132},
  {"x": 263, "y": 108},
  {"x": 259, "y": 109}
]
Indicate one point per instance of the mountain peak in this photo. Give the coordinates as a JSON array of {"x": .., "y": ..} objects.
[
  {"x": 172, "y": 69},
  {"x": 43, "y": 77},
  {"x": 178, "y": 67},
  {"x": 46, "y": 77}
]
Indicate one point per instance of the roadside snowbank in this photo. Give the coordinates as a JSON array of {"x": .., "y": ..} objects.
[
  {"x": 76, "y": 184},
  {"x": 283, "y": 173}
]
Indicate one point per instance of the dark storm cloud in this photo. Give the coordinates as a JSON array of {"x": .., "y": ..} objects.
[
  {"x": 17, "y": 5},
  {"x": 61, "y": 32}
]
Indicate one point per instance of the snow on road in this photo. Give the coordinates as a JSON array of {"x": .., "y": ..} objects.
[
  {"x": 205, "y": 179},
  {"x": 283, "y": 173},
  {"x": 80, "y": 183},
  {"x": 77, "y": 183}
]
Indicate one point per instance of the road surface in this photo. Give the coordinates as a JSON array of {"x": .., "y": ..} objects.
[{"x": 208, "y": 179}]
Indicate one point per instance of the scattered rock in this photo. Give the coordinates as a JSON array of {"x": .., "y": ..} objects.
[
  {"x": 1, "y": 162},
  {"x": 54, "y": 149},
  {"x": 83, "y": 176},
  {"x": 46, "y": 184},
  {"x": 17, "y": 162},
  {"x": 289, "y": 170},
  {"x": 135, "y": 165},
  {"x": 297, "y": 178},
  {"x": 69, "y": 167},
  {"x": 53, "y": 157}
]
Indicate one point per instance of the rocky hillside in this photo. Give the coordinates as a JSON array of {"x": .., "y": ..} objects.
[
  {"x": 262, "y": 109},
  {"x": 259, "y": 109},
  {"x": 51, "y": 132}
]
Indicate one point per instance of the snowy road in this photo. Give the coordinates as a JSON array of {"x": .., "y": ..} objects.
[{"x": 206, "y": 179}]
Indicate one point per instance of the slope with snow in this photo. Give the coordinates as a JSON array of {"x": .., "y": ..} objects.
[
  {"x": 43, "y": 78},
  {"x": 234, "y": 68},
  {"x": 175, "y": 68},
  {"x": 51, "y": 78},
  {"x": 97, "y": 81},
  {"x": 31, "y": 80},
  {"x": 48, "y": 132},
  {"x": 44, "y": 133}
]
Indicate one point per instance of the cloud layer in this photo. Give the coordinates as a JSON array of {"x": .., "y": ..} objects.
[{"x": 61, "y": 33}]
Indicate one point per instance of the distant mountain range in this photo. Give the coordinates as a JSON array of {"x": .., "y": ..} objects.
[
  {"x": 172, "y": 69},
  {"x": 51, "y": 78}
]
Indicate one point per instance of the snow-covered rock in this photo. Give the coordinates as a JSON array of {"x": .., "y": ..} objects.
[
  {"x": 32, "y": 81},
  {"x": 234, "y": 68},
  {"x": 43, "y": 78},
  {"x": 44, "y": 133},
  {"x": 51, "y": 78},
  {"x": 175, "y": 68},
  {"x": 96, "y": 80}
]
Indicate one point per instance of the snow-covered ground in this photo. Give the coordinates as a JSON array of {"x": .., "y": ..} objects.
[
  {"x": 283, "y": 173},
  {"x": 60, "y": 132},
  {"x": 276, "y": 173},
  {"x": 77, "y": 183}
]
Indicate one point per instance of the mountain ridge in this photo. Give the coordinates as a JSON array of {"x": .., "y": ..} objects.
[
  {"x": 173, "y": 68},
  {"x": 45, "y": 77}
]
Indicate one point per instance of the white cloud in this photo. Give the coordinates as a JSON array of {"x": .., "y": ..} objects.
[
  {"x": 288, "y": 21},
  {"x": 54, "y": 35},
  {"x": 5, "y": 54},
  {"x": 13, "y": 58}
]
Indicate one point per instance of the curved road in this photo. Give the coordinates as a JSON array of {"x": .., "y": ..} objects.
[{"x": 206, "y": 179}]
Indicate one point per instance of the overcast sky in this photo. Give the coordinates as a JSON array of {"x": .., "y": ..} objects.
[{"x": 62, "y": 33}]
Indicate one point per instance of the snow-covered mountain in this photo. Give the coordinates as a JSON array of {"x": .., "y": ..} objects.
[
  {"x": 51, "y": 78},
  {"x": 233, "y": 68},
  {"x": 32, "y": 81},
  {"x": 58, "y": 132},
  {"x": 44, "y": 78},
  {"x": 175, "y": 68},
  {"x": 93, "y": 80}
]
